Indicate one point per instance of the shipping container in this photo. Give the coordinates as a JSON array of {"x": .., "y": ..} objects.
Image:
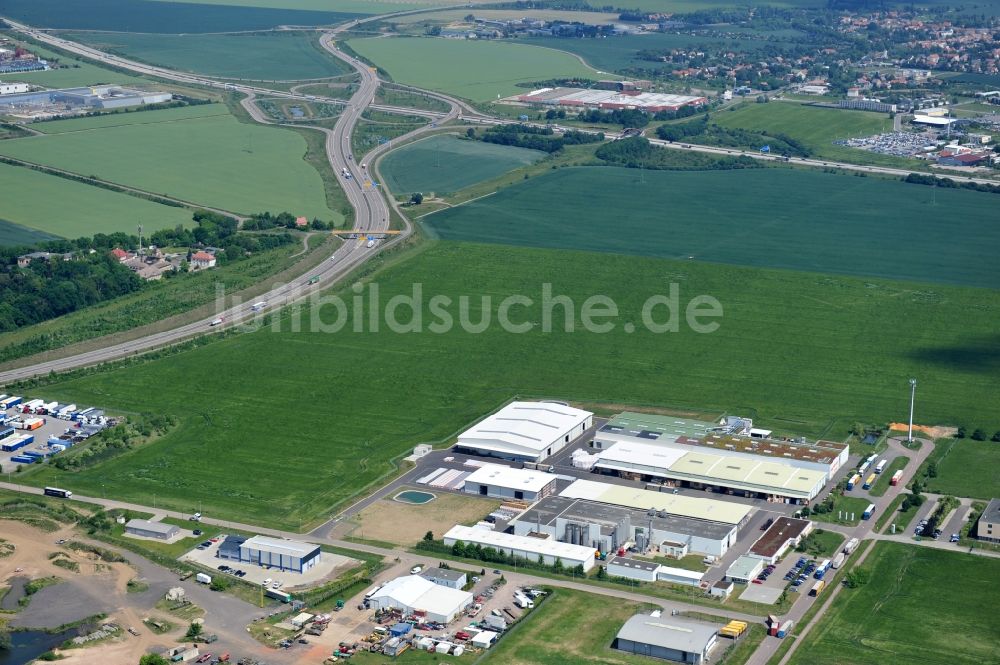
[
  {"x": 5, "y": 431},
  {"x": 896, "y": 477},
  {"x": 853, "y": 482},
  {"x": 869, "y": 511},
  {"x": 21, "y": 459},
  {"x": 869, "y": 481},
  {"x": 34, "y": 453},
  {"x": 837, "y": 560},
  {"x": 15, "y": 443},
  {"x": 851, "y": 545},
  {"x": 817, "y": 588}
]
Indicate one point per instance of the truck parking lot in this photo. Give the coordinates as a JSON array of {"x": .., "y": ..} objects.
[{"x": 34, "y": 430}]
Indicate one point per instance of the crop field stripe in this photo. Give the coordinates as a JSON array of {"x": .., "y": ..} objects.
[
  {"x": 762, "y": 217},
  {"x": 113, "y": 120}
]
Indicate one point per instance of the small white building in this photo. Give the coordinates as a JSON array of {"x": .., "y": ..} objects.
[
  {"x": 503, "y": 482},
  {"x": 679, "y": 576},
  {"x": 632, "y": 569},
  {"x": 202, "y": 260},
  {"x": 527, "y": 547},
  {"x": 484, "y": 639},
  {"x": 453, "y": 579},
  {"x": 526, "y": 431},
  {"x": 13, "y": 88},
  {"x": 413, "y": 593},
  {"x": 745, "y": 569}
]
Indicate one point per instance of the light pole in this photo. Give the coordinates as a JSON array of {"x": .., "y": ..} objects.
[{"x": 913, "y": 393}]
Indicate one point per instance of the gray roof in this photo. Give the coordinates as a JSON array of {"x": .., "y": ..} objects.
[
  {"x": 443, "y": 574},
  {"x": 637, "y": 564},
  {"x": 992, "y": 512},
  {"x": 155, "y": 527},
  {"x": 669, "y": 632},
  {"x": 591, "y": 512}
]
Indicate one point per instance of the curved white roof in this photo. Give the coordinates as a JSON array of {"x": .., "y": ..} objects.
[{"x": 523, "y": 427}]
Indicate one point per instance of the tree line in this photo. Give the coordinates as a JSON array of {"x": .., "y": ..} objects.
[
  {"x": 536, "y": 138},
  {"x": 638, "y": 152},
  {"x": 705, "y": 132},
  {"x": 948, "y": 183}
]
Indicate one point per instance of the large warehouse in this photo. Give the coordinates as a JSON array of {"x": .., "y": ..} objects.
[
  {"x": 526, "y": 547},
  {"x": 607, "y": 527},
  {"x": 526, "y": 431},
  {"x": 651, "y": 102},
  {"x": 711, "y": 510},
  {"x": 290, "y": 555},
  {"x": 413, "y": 593},
  {"x": 147, "y": 529},
  {"x": 716, "y": 470},
  {"x": 669, "y": 638},
  {"x": 503, "y": 482}
]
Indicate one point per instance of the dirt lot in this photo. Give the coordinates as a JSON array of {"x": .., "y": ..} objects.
[{"x": 405, "y": 524}]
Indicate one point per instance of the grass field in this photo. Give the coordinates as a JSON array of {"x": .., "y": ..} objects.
[
  {"x": 60, "y": 207},
  {"x": 124, "y": 118},
  {"x": 966, "y": 468},
  {"x": 882, "y": 483},
  {"x": 12, "y": 234},
  {"x": 846, "y": 505},
  {"x": 173, "y": 16},
  {"x": 763, "y": 217},
  {"x": 445, "y": 163},
  {"x": 376, "y": 127},
  {"x": 823, "y": 544},
  {"x": 405, "y": 524},
  {"x": 815, "y": 127},
  {"x": 71, "y": 72},
  {"x": 211, "y": 160},
  {"x": 479, "y": 71},
  {"x": 591, "y": 620},
  {"x": 948, "y": 595},
  {"x": 275, "y": 55},
  {"x": 383, "y": 392}
]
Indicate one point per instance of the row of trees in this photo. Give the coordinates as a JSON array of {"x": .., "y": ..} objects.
[
  {"x": 948, "y": 183},
  {"x": 709, "y": 133},
  {"x": 638, "y": 152},
  {"x": 535, "y": 138}
]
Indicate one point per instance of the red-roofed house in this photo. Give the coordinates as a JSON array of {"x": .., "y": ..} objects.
[
  {"x": 301, "y": 222},
  {"x": 120, "y": 254},
  {"x": 202, "y": 260}
]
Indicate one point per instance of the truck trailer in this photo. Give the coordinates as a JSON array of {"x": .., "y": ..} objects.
[
  {"x": 838, "y": 560},
  {"x": 869, "y": 511},
  {"x": 786, "y": 627},
  {"x": 896, "y": 477},
  {"x": 817, "y": 588},
  {"x": 869, "y": 481},
  {"x": 851, "y": 545},
  {"x": 853, "y": 482},
  {"x": 880, "y": 467}
]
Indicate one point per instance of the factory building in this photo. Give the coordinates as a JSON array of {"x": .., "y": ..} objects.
[
  {"x": 607, "y": 527},
  {"x": 783, "y": 534},
  {"x": 633, "y": 569},
  {"x": 413, "y": 593},
  {"x": 669, "y": 638},
  {"x": 649, "y": 102},
  {"x": 503, "y": 482},
  {"x": 526, "y": 431},
  {"x": 648, "y": 427},
  {"x": 147, "y": 529},
  {"x": 678, "y": 505},
  {"x": 95, "y": 98},
  {"x": 453, "y": 579},
  {"x": 527, "y": 547},
  {"x": 285, "y": 555},
  {"x": 13, "y": 88}
]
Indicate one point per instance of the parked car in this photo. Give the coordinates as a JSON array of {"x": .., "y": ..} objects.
[
  {"x": 197, "y": 532},
  {"x": 954, "y": 538},
  {"x": 416, "y": 569}
]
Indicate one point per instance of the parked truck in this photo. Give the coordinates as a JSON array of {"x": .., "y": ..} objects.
[
  {"x": 523, "y": 601},
  {"x": 896, "y": 477},
  {"x": 880, "y": 467},
  {"x": 821, "y": 570},
  {"x": 181, "y": 654},
  {"x": 837, "y": 561},
  {"x": 785, "y": 628},
  {"x": 853, "y": 482},
  {"x": 869, "y": 481},
  {"x": 851, "y": 545},
  {"x": 817, "y": 588},
  {"x": 869, "y": 511}
]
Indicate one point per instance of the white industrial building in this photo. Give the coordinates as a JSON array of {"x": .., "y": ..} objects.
[
  {"x": 669, "y": 638},
  {"x": 454, "y": 579},
  {"x": 290, "y": 555},
  {"x": 526, "y": 431},
  {"x": 527, "y": 547},
  {"x": 13, "y": 88},
  {"x": 413, "y": 593},
  {"x": 745, "y": 569},
  {"x": 606, "y": 527},
  {"x": 147, "y": 529},
  {"x": 503, "y": 482},
  {"x": 632, "y": 569}
]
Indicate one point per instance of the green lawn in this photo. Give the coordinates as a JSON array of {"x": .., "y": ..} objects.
[
  {"x": 816, "y": 128},
  {"x": 123, "y": 118},
  {"x": 479, "y": 71},
  {"x": 882, "y": 482},
  {"x": 760, "y": 217},
  {"x": 445, "y": 163},
  {"x": 275, "y": 55},
  {"x": 967, "y": 468},
  {"x": 313, "y": 417},
  {"x": 71, "y": 72},
  {"x": 922, "y": 605},
  {"x": 823, "y": 544},
  {"x": 846, "y": 505},
  {"x": 211, "y": 160},
  {"x": 60, "y": 207}
]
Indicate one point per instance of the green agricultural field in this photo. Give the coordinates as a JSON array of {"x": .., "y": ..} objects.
[
  {"x": 966, "y": 468},
  {"x": 274, "y": 55},
  {"x": 817, "y": 128},
  {"x": 13, "y": 235},
  {"x": 922, "y": 605},
  {"x": 779, "y": 218},
  {"x": 135, "y": 117},
  {"x": 380, "y": 393},
  {"x": 212, "y": 160},
  {"x": 479, "y": 71},
  {"x": 56, "y": 206},
  {"x": 445, "y": 164}
]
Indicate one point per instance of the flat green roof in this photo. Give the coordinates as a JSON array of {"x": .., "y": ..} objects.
[{"x": 632, "y": 422}]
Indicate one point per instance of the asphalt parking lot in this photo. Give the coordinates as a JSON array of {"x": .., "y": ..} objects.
[{"x": 53, "y": 427}]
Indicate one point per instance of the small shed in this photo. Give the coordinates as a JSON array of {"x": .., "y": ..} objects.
[
  {"x": 400, "y": 629},
  {"x": 484, "y": 639},
  {"x": 302, "y": 619}
]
